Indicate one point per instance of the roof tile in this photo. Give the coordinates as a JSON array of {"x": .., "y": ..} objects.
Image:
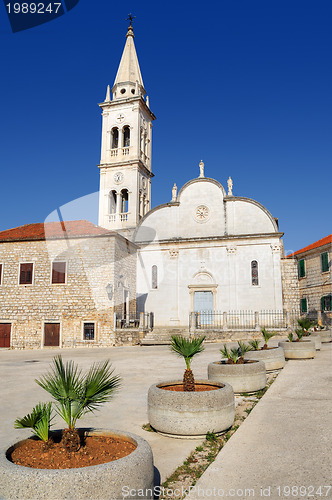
[
  {"x": 317, "y": 244},
  {"x": 53, "y": 230}
]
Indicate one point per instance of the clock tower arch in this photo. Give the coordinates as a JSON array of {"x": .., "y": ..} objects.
[{"x": 125, "y": 165}]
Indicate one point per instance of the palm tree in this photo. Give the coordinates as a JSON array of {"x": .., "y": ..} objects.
[
  {"x": 267, "y": 336},
  {"x": 77, "y": 394},
  {"x": 39, "y": 420},
  {"x": 187, "y": 349}
]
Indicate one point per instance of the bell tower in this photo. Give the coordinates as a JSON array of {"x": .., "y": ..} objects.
[{"x": 125, "y": 165}]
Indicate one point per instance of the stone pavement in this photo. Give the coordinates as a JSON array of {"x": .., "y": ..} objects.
[
  {"x": 286, "y": 441},
  {"x": 139, "y": 368}
]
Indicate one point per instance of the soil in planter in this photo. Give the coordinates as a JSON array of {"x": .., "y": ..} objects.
[
  {"x": 198, "y": 388},
  {"x": 96, "y": 450}
]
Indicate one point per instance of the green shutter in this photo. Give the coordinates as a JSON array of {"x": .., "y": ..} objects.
[
  {"x": 304, "y": 305},
  {"x": 301, "y": 268},
  {"x": 325, "y": 261},
  {"x": 322, "y": 304}
]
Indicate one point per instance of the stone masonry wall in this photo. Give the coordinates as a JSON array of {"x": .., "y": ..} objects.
[
  {"x": 316, "y": 283},
  {"x": 290, "y": 285},
  {"x": 91, "y": 266}
]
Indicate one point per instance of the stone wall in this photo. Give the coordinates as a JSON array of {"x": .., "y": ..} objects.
[
  {"x": 316, "y": 283},
  {"x": 92, "y": 264},
  {"x": 290, "y": 285}
]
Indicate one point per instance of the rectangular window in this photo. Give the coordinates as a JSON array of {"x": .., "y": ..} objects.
[
  {"x": 324, "y": 259},
  {"x": 58, "y": 272},
  {"x": 326, "y": 303},
  {"x": 301, "y": 268},
  {"x": 89, "y": 331},
  {"x": 304, "y": 306},
  {"x": 26, "y": 271},
  {"x": 0, "y": 274}
]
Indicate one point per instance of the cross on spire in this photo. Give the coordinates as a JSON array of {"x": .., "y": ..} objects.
[{"x": 130, "y": 18}]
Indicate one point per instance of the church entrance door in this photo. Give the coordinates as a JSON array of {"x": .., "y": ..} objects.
[{"x": 203, "y": 304}]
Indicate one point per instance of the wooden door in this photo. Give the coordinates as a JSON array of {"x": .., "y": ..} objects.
[
  {"x": 5, "y": 329},
  {"x": 52, "y": 334}
]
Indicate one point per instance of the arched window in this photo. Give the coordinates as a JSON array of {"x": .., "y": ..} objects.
[
  {"x": 126, "y": 137},
  {"x": 124, "y": 201},
  {"x": 254, "y": 272},
  {"x": 115, "y": 138},
  {"x": 112, "y": 202},
  {"x": 154, "y": 273}
]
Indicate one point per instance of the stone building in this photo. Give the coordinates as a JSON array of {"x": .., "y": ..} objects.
[
  {"x": 314, "y": 278},
  {"x": 61, "y": 284}
]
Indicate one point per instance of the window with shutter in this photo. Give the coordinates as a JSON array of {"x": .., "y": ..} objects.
[
  {"x": 301, "y": 268},
  {"x": 26, "y": 271},
  {"x": 326, "y": 303},
  {"x": 304, "y": 306},
  {"x": 0, "y": 274},
  {"x": 324, "y": 258},
  {"x": 58, "y": 272}
]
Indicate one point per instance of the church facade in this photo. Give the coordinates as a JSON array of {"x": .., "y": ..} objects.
[{"x": 205, "y": 250}]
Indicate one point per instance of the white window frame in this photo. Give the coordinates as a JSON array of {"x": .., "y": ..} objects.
[
  {"x": 66, "y": 272},
  {"x": 33, "y": 273},
  {"x": 95, "y": 330}
]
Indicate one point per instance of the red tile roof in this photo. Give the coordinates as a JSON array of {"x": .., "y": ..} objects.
[
  {"x": 317, "y": 244},
  {"x": 53, "y": 230}
]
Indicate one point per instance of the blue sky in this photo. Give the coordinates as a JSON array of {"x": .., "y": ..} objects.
[{"x": 243, "y": 85}]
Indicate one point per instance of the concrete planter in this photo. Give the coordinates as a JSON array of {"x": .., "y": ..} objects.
[
  {"x": 246, "y": 377},
  {"x": 298, "y": 350},
  {"x": 325, "y": 336},
  {"x": 190, "y": 414},
  {"x": 274, "y": 358},
  {"x": 315, "y": 339},
  {"x": 134, "y": 472}
]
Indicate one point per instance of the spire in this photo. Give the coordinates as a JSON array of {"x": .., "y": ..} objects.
[
  {"x": 128, "y": 79},
  {"x": 108, "y": 94}
]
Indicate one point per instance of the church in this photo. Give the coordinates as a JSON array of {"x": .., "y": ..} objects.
[
  {"x": 206, "y": 260},
  {"x": 206, "y": 249}
]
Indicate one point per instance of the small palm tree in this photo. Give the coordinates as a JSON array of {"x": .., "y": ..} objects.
[
  {"x": 235, "y": 355},
  {"x": 290, "y": 337},
  {"x": 77, "y": 394},
  {"x": 254, "y": 344},
  {"x": 306, "y": 324},
  {"x": 39, "y": 420},
  {"x": 300, "y": 333},
  {"x": 267, "y": 336},
  {"x": 187, "y": 349}
]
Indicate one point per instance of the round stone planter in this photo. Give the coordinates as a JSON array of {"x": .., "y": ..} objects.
[
  {"x": 190, "y": 414},
  {"x": 298, "y": 350},
  {"x": 325, "y": 336},
  {"x": 110, "y": 480},
  {"x": 315, "y": 339},
  {"x": 246, "y": 377},
  {"x": 274, "y": 358}
]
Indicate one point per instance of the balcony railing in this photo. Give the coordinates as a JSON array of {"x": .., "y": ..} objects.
[
  {"x": 122, "y": 217},
  {"x": 118, "y": 151}
]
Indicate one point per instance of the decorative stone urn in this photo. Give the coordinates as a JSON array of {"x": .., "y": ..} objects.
[
  {"x": 109, "y": 480},
  {"x": 298, "y": 350},
  {"x": 315, "y": 338},
  {"x": 243, "y": 377},
  {"x": 188, "y": 415},
  {"x": 273, "y": 357}
]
